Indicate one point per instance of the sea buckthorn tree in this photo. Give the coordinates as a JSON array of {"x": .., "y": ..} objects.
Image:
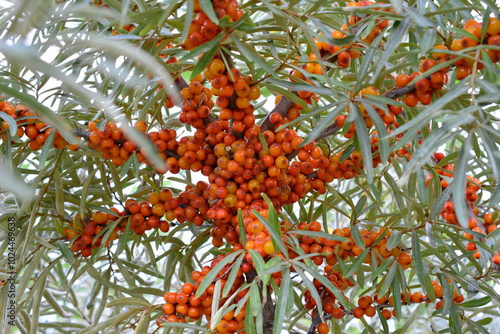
[{"x": 240, "y": 166}]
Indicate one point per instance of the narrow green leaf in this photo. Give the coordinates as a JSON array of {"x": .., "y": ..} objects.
[
  {"x": 126, "y": 301},
  {"x": 417, "y": 259},
  {"x": 232, "y": 275},
  {"x": 356, "y": 264},
  {"x": 324, "y": 235},
  {"x": 394, "y": 239},
  {"x": 427, "y": 41},
  {"x": 367, "y": 60},
  {"x": 381, "y": 131},
  {"x": 411, "y": 319},
  {"x": 215, "y": 301},
  {"x": 309, "y": 285},
  {"x": 364, "y": 142},
  {"x": 250, "y": 53},
  {"x": 243, "y": 232},
  {"x": 327, "y": 120},
  {"x": 393, "y": 41},
  {"x": 283, "y": 298},
  {"x": 255, "y": 303},
  {"x": 275, "y": 235},
  {"x": 357, "y": 238},
  {"x": 459, "y": 183},
  {"x": 208, "y": 8},
  {"x": 184, "y": 326},
  {"x": 441, "y": 201},
  {"x": 328, "y": 285},
  {"x": 47, "y": 146},
  {"x": 204, "y": 61},
  {"x": 377, "y": 270},
  {"x": 249, "y": 323},
  {"x": 209, "y": 278},
  {"x": 258, "y": 261},
  {"x": 187, "y": 19},
  {"x": 385, "y": 326},
  {"x": 10, "y": 121},
  {"x": 66, "y": 252},
  {"x": 396, "y": 291},
  {"x": 388, "y": 279},
  {"x": 454, "y": 320},
  {"x": 85, "y": 191},
  {"x": 476, "y": 302}
]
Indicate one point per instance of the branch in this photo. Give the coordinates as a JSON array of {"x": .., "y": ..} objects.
[
  {"x": 316, "y": 322},
  {"x": 328, "y": 131},
  {"x": 78, "y": 132},
  {"x": 281, "y": 108},
  {"x": 401, "y": 91},
  {"x": 226, "y": 57},
  {"x": 210, "y": 119},
  {"x": 317, "y": 317},
  {"x": 398, "y": 92},
  {"x": 268, "y": 308},
  {"x": 181, "y": 83}
]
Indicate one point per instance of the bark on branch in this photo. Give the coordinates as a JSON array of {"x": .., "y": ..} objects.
[
  {"x": 398, "y": 92},
  {"x": 281, "y": 108},
  {"x": 268, "y": 307},
  {"x": 181, "y": 83}
]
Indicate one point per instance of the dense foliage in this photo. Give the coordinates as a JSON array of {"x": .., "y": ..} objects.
[{"x": 249, "y": 166}]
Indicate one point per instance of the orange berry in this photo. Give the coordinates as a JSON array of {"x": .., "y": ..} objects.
[
  {"x": 323, "y": 328},
  {"x": 358, "y": 312}
]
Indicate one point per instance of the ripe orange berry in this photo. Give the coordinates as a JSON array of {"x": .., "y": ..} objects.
[
  {"x": 188, "y": 288},
  {"x": 438, "y": 291},
  {"x": 411, "y": 100},
  {"x": 417, "y": 297},
  {"x": 358, "y": 312},
  {"x": 217, "y": 67},
  {"x": 405, "y": 259},
  {"x": 323, "y": 328},
  {"x": 168, "y": 309},
  {"x": 370, "y": 311},
  {"x": 402, "y": 80},
  {"x": 141, "y": 126},
  {"x": 379, "y": 300},
  {"x": 223, "y": 326},
  {"x": 338, "y": 313},
  {"x": 181, "y": 298},
  {"x": 364, "y": 301}
]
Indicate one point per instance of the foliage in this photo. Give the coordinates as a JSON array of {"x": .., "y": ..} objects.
[{"x": 418, "y": 177}]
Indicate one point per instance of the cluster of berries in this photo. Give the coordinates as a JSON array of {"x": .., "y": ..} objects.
[
  {"x": 445, "y": 170},
  {"x": 345, "y": 53},
  {"x": 474, "y": 29},
  {"x": 185, "y": 306},
  {"x": 471, "y": 190},
  {"x": 367, "y": 305},
  {"x": 388, "y": 118},
  {"x": 197, "y": 103},
  {"x": 87, "y": 234},
  {"x": 426, "y": 87},
  {"x": 328, "y": 298},
  {"x": 202, "y": 29},
  {"x": 31, "y": 125}
]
